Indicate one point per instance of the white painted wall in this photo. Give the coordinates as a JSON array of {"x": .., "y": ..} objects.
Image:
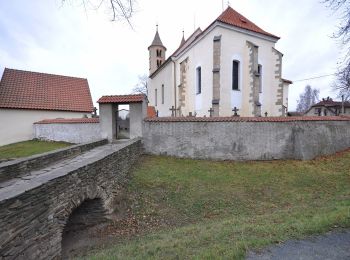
[
  {"x": 108, "y": 121},
  {"x": 233, "y": 47},
  {"x": 71, "y": 133},
  {"x": 166, "y": 77},
  {"x": 17, "y": 124},
  {"x": 138, "y": 112}
]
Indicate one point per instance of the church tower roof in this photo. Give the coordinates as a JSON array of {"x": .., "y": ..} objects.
[
  {"x": 157, "y": 41},
  {"x": 183, "y": 39}
]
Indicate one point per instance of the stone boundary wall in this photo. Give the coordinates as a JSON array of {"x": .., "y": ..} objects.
[
  {"x": 246, "y": 138},
  {"x": 68, "y": 130},
  {"x": 22, "y": 166},
  {"x": 33, "y": 219}
]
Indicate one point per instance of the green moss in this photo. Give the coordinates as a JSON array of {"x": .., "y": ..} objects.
[{"x": 28, "y": 148}]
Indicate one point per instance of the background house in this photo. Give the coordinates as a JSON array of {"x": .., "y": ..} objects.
[
  {"x": 27, "y": 97},
  {"x": 232, "y": 63},
  {"x": 328, "y": 107}
]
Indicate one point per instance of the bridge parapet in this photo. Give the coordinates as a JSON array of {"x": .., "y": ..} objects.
[
  {"x": 34, "y": 210},
  {"x": 23, "y": 166}
]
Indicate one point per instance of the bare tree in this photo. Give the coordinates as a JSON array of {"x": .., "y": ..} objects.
[
  {"x": 343, "y": 76},
  {"x": 307, "y": 99},
  {"x": 141, "y": 87},
  {"x": 120, "y": 9}
]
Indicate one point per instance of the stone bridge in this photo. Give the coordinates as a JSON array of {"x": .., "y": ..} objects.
[{"x": 39, "y": 206}]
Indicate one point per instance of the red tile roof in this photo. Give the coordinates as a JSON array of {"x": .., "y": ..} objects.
[
  {"x": 331, "y": 103},
  {"x": 33, "y": 90},
  {"x": 151, "y": 111},
  {"x": 69, "y": 121},
  {"x": 287, "y": 81},
  {"x": 247, "y": 119},
  {"x": 122, "y": 99},
  {"x": 232, "y": 17}
]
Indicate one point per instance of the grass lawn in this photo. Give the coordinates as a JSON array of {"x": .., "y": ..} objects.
[
  {"x": 193, "y": 209},
  {"x": 27, "y": 148}
]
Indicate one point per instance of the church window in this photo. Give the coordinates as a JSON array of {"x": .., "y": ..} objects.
[
  {"x": 155, "y": 97},
  {"x": 235, "y": 75},
  {"x": 159, "y": 53},
  {"x": 199, "y": 80},
  {"x": 158, "y": 64},
  {"x": 162, "y": 93},
  {"x": 260, "y": 77}
]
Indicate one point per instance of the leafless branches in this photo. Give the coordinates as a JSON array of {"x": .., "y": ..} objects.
[
  {"x": 307, "y": 99},
  {"x": 343, "y": 76},
  {"x": 141, "y": 86},
  {"x": 120, "y": 9}
]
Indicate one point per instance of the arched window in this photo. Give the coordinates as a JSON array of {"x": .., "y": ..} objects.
[
  {"x": 260, "y": 77},
  {"x": 155, "y": 97},
  {"x": 162, "y": 93},
  {"x": 235, "y": 75},
  {"x": 199, "y": 80}
]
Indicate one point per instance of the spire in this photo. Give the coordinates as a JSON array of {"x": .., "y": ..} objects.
[
  {"x": 157, "y": 41},
  {"x": 183, "y": 39}
]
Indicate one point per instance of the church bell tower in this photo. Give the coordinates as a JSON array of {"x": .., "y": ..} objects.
[{"x": 156, "y": 53}]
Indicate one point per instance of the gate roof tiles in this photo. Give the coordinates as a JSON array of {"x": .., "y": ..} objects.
[{"x": 122, "y": 99}]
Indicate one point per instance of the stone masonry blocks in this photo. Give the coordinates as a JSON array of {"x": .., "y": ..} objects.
[
  {"x": 254, "y": 83},
  {"x": 278, "y": 77},
  {"x": 216, "y": 74},
  {"x": 32, "y": 223}
]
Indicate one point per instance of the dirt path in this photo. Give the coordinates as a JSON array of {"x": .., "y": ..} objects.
[{"x": 333, "y": 245}]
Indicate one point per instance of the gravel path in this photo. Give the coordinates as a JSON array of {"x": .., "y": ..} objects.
[{"x": 333, "y": 245}]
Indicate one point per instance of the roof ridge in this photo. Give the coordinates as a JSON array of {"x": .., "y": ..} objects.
[
  {"x": 243, "y": 23},
  {"x": 21, "y": 89},
  {"x": 44, "y": 73}
]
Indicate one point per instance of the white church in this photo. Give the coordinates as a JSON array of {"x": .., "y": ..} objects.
[{"x": 230, "y": 68}]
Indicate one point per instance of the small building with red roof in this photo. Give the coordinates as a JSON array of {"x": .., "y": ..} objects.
[
  {"x": 27, "y": 97},
  {"x": 231, "y": 65},
  {"x": 329, "y": 107}
]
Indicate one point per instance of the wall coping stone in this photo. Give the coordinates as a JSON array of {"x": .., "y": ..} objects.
[
  {"x": 43, "y": 176},
  {"x": 22, "y": 166},
  {"x": 94, "y": 120},
  {"x": 246, "y": 119}
]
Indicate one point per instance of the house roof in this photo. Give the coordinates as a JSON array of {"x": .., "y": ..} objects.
[
  {"x": 151, "y": 111},
  {"x": 330, "y": 103},
  {"x": 69, "y": 121},
  {"x": 232, "y": 17},
  {"x": 122, "y": 99},
  {"x": 34, "y": 90}
]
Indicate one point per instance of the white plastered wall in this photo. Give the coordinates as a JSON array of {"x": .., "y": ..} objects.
[
  {"x": 164, "y": 77},
  {"x": 17, "y": 124}
]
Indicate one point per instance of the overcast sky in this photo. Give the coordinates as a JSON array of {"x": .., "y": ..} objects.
[{"x": 44, "y": 36}]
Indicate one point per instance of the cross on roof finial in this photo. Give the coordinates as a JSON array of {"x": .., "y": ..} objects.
[{"x": 228, "y": 3}]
